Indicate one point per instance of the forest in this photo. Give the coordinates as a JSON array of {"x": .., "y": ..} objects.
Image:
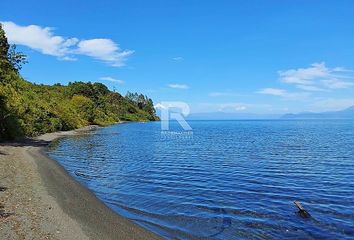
[{"x": 28, "y": 109}]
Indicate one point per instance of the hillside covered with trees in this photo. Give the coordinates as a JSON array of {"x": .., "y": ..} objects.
[{"x": 28, "y": 109}]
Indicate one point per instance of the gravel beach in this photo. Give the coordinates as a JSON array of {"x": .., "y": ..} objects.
[{"x": 39, "y": 200}]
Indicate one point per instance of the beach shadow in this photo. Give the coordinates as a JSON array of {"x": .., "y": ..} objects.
[
  {"x": 3, "y": 213},
  {"x": 2, "y": 153},
  {"x": 25, "y": 142}
]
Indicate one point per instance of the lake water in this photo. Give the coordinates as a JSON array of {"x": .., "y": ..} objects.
[{"x": 223, "y": 180}]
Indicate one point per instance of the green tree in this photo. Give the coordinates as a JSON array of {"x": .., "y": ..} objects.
[
  {"x": 9, "y": 126},
  {"x": 84, "y": 106},
  {"x": 16, "y": 59},
  {"x": 31, "y": 109},
  {"x": 10, "y": 59},
  {"x": 81, "y": 88},
  {"x": 4, "y": 48}
]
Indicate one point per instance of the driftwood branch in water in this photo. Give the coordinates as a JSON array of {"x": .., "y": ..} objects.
[{"x": 303, "y": 213}]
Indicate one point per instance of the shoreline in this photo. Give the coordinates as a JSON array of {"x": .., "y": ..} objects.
[{"x": 44, "y": 202}]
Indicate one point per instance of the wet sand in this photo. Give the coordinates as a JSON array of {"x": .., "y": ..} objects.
[{"x": 41, "y": 201}]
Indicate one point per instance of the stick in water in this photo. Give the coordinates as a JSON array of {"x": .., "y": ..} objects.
[{"x": 303, "y": 213}]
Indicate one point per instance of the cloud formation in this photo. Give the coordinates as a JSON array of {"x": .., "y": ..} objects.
[
  {"x": 38, "y": 38},
  {"x": 318, "y": 77},
  {"x": 233, "y": 107},
  {"x": 178, "y": 59},
  {"x": 219, "y": 94},
  {"x": 273, "y": 91},
  {"x": 105, "y": 50},
  {"x": 111, "y": 79},
  {"x": 284, "y": 93},
  {"x": 178, "y": 86},
  {"x": 313, "y": 83},
  {"x": 43, "y": 40}
]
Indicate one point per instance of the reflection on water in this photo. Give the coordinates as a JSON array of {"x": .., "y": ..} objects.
[{"x": 231, "y": 180}]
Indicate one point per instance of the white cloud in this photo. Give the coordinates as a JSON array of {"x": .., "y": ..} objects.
[
  {"x": 105, "y": 50},
  {"x": 284, "y": 93},
  {"x": 38, "y": 38},
  {"x": 310, "y": 88},
  {"x": 318, "y": 77},
  {"x": 233, "y": 107},
  {"x": 226, "y": 94},
  {"x": 44, "y": 40},
  {"x": 178, "y": 86},
  {"x": 219, "y": 94},
  {"x": 178, "y": 58},
  {"x": 304, "y": 76},
  {"x": 273, "y": 91},
  {"x": 253, "y": 107},
  {"x": 110, "y": 79},
  {"x": 240, "y": 108},
  {"x": 337, "y": 84},
  {"x": 67, "y": 58}
]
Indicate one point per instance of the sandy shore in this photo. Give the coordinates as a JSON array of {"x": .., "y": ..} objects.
[{"x": 39, "y": 200}]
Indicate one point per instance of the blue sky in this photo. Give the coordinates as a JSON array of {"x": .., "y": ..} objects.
[{"x": 231, "y": 56}]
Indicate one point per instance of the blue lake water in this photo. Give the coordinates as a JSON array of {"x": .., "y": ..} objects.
[{"x": 223, "y": 180}]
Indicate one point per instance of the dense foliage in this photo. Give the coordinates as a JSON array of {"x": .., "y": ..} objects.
[{"x": 28, "y": 109}]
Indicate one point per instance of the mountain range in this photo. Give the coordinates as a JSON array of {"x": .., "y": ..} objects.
[
  {"x": 231, "y": 116},
  {"x": 347, "y": 113}
]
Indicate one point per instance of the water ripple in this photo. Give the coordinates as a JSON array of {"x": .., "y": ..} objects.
[{"x": 231, "y": 180}]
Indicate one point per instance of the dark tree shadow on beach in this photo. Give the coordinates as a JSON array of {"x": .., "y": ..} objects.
[
  {"x": 2, "y": 153},
  {"x": 3, "y": 213},
  {"x": 25, "y": 142}
]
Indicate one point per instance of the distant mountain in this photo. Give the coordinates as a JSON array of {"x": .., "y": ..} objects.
[
  {"x": 230, "y": 116},
  {"x": 343, "y": 114}
]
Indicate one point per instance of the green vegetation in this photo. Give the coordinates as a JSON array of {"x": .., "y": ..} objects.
[{"x": 28, "y": 109}]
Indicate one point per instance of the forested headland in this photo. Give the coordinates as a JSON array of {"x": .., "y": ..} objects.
[{"x": 28, "y": 109}]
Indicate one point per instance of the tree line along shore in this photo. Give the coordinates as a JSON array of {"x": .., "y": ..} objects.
[{"x": 28, "y": 109}]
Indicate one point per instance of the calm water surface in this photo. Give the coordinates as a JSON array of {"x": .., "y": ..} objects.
[{"x": 229, "y": 180}]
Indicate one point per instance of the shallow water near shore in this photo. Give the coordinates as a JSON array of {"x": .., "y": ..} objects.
[{"x": 224, "y": 179}]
